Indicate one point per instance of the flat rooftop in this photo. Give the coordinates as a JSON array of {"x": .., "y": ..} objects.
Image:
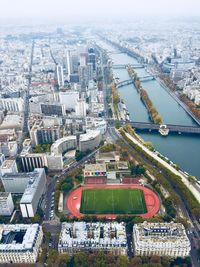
[
  {"x": 7, "y": 164},
  {"x": 95, "y": 167},
  {"x": 18, "y": 237}
]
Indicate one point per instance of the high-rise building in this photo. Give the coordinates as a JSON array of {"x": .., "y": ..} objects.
[
  {"x": 8, "y": 166},
  {"x": 83, "y": 59},
  {"x": 40, "y": 134},
  {"x": 89, "y": 140},
  {"x": 81, "y": 108},
  {"x": 69, "y": 99},
  {"x": 92, "y": 58},
  {"x": 59, "y": 75},
  {"x": 51, "y": 109},
  {"x": 32, "y": 194},
  {"x": 68, "y": 64},
  {"x": 12, "y": 104},
  {"x": 6, "y": 204}
]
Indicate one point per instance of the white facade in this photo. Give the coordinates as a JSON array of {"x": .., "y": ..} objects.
[
  {"x": 90, "y": 140},
  {"x": 59, "y": 75},
  {"x": 6, "y": 204},
  {"x": 12, "y": 104},
  {"x": 162, "y": 239},
  {"x": 25, "y": 251},
  {"x": 54, "y": 162},
  {"x": 32, "y": 194},
  {"x": 69, "y": 99},
  {"x": 82, "y": 236},
  {"x": 8, "y": 166},
  {"x": 80, "y": 108},
  {"x": 15, "y": 183},
  {"x": 64, "y": 144},
  {"x": 30, "y": 161}
]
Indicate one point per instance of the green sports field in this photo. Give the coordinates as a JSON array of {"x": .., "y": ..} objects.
[{"x": 113, "y": 201}]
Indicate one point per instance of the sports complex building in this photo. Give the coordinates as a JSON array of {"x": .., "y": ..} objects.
[{"x": 111, "y": 201}]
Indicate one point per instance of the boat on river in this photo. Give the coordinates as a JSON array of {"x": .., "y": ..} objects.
[{"x": 163, "y": 130}]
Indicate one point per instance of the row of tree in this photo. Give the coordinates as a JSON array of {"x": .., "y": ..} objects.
[
  {"x": 156, "y": 118},
  {"x": 171, "y": 178},
  {"x": 194, "y": 108},
  {"x": 101, "y": 259}
]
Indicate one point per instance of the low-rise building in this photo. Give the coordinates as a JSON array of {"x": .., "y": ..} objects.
[
  {"x": 20, "y": 243},
  {"x": 112, "y": 156},
  {"x": 6, "y": 204},
  {"x": 162, "y": 239},
  {"x": 82, "y": 236},
  {"x": 95, "y": 170}
]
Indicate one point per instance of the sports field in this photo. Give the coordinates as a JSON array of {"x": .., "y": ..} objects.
[{"x": 113, "y": 201}]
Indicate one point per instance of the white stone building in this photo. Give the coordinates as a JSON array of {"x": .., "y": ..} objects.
[
  {"x": 82, "y": 236},
  {"x": 20, "y": 243},
  {"x": 161, "y": 239},
  {"x": 6, "y": 204}
]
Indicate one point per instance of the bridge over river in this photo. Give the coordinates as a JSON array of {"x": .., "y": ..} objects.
[
  {"x": 155, "y": 127},
  {"x": 124, "y": 66},
  {"x": 130, "y": 81}
]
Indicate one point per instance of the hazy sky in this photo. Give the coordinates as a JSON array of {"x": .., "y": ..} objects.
[{"x": 83, "y": 8}]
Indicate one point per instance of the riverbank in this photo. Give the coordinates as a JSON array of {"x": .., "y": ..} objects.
[{"x": 194, "y": 190}]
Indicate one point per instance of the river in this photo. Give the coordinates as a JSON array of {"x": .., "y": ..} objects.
[{"x": 184, "y": 150}]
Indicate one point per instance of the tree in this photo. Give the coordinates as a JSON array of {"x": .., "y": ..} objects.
[
  {"x": 155, "y": 259},
  {"x": 122, "y": 261},
  {"x": 52, "y": 257},
  {"x": 66, "y": 187},
  {"x": 135, "y": 262},
  {"x": 63, "y": 260},
  {"x": 81, "y": 260},
  {"x": 166, "y": 261},
  {"x": 192, "y": 179}
]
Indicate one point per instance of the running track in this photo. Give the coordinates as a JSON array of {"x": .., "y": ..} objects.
[{"x": 73, "y": 201}]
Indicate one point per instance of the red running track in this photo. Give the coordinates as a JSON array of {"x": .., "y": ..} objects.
[{"x": 73, "y": 201}]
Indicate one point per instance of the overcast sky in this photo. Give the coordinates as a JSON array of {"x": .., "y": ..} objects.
[{"x": 92, "y": 8}]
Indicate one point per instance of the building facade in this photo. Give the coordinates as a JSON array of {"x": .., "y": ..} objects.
[
  {"x": 82, "y": 236},
  {"x": 90, "y": 140},
  {"x": 20, "y": 243},
  {"x": 32, "y": 194},
  {"x": 6, "y": 204},
  {"x": 161, "y": 239}
]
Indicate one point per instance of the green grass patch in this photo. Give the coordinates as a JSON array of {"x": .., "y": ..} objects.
[{"x": 113, "y": 201}]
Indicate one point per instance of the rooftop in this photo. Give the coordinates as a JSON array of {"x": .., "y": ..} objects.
[
  {"x": 95, "y": 167},
  {"x": 160, "y": 232},
  {"x": 18, "y": 237},
  {"x": 32, "y": 186},
  {"x": 86, "y": 235}
]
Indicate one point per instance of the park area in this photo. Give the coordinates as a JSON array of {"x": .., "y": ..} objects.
[{"x": 113, "y": 201}]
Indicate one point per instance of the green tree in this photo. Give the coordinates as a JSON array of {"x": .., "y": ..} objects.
[
  {"x": 52, "y": 257},
  {"x": 122, "y": 261},
  {"x": 81, "y": 260},
  {"x": 63, "y": 260},
  {"x": 136, "y": 262},
  {"x": 66, "y": 187}
]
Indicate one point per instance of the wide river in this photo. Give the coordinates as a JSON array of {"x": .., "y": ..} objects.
[{"x": 184, "y": 150}]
